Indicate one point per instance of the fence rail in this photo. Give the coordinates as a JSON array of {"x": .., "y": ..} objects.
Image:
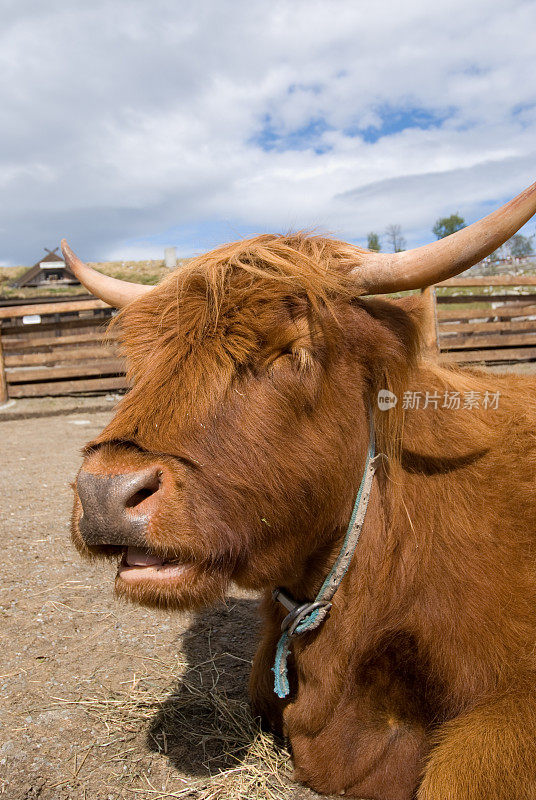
[
  {"x": 482, "y": 327},
  {"x": 57, "y": 348}
]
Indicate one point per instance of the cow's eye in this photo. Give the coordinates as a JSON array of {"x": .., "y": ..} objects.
[{"x": 297, "y": 358}]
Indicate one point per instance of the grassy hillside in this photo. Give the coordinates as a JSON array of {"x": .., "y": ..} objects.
[{"x": 149, "y": 272}]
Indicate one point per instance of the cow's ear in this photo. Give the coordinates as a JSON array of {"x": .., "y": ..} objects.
[
  {"x": 389, "y": 345},
  {"x": 403, "y": 316}
]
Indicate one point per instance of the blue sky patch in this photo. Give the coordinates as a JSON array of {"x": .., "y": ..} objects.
[
  {"x": 271, "y": 138},
  {"x": 306, "y": 137},
  {"x": 523, "y": 114},
  {"x": 395, "y": 120}
]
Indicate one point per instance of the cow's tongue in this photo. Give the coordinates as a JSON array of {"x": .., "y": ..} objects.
[{"x": 136, "y": 557}]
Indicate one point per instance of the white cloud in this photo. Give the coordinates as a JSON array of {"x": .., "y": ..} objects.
[{"x": 138, "y": 124}]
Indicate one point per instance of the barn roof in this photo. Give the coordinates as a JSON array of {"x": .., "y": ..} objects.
[{"x": 51, "y": 258}]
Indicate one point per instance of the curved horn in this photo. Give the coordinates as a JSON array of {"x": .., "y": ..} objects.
[
  {"x": 113, "y": 291},
  {"x": 424, "y": 266}
]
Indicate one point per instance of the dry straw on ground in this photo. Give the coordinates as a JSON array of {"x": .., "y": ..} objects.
[{"x": 197, "y": 720}]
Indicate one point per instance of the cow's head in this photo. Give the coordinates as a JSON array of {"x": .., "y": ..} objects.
[{"x": 237, "y": 452}]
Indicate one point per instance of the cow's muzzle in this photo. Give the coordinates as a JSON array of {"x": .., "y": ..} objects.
[{"x": 117, "y": 508}]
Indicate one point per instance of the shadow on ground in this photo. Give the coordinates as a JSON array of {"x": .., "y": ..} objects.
[{"x": 205, "y": 725}]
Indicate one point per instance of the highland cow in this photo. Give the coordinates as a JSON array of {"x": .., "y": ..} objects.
[{"x": 237, "y": 455}]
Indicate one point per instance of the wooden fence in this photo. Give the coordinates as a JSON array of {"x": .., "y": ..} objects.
[
  {"x": 57, "y": 348},
  {"x": 484, "y": 328}
]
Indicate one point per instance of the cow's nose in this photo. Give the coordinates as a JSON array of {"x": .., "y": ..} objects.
[{"x": 116, "y": 509}]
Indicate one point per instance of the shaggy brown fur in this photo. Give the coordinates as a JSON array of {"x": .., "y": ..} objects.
[{"x": 253, "y": 370}]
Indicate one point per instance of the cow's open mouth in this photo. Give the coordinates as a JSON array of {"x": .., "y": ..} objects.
[
  {"x": 137, "y": 564},
  {"x": 166, "y": 581}
]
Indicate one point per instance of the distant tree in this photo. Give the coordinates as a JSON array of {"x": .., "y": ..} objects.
[
  {"x": 373, "y": 242},
  {"x": 393, "y": 234},
  {"x": 447, "y": 225},
  {"x": 521, "y": 246}
]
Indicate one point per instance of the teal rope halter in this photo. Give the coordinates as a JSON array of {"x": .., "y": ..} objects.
[{"x": 304, "y": 617}]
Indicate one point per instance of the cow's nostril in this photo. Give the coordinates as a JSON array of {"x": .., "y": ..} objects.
[
  {"x": 141, "y": 495},
  {"x": 151, "y": 484}
]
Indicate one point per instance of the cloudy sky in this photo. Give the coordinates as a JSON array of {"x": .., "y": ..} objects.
[{"x": 138, "y": 124}]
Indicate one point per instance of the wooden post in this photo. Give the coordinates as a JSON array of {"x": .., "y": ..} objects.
[
  {"x": 431, "y": 335},
  {"x": 3, "y": 382}
]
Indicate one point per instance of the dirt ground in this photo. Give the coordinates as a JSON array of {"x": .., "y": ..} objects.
[{"x": 100, "y": 700}]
